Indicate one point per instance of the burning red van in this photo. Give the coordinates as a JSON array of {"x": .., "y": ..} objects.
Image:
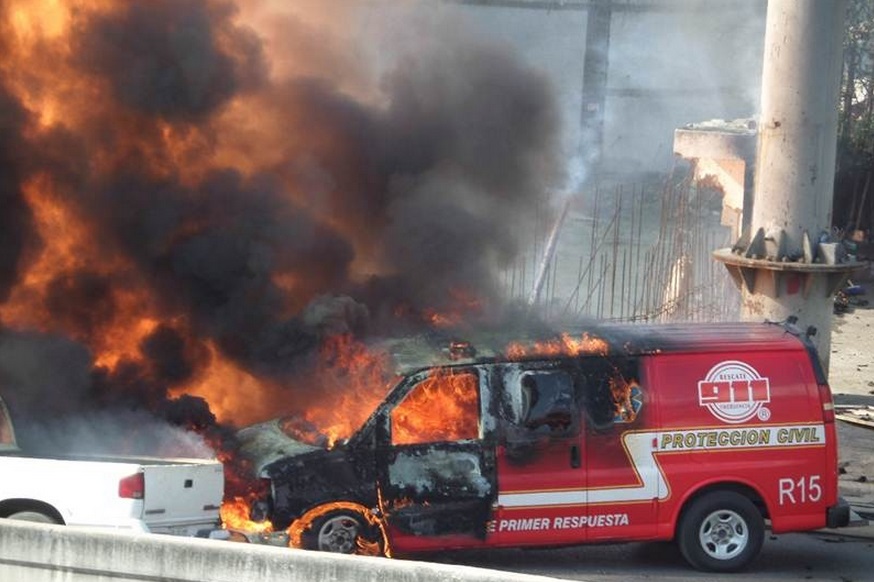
[{"x": 695, "y": 433}]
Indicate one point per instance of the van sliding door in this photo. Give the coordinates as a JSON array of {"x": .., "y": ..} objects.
[
  {"x": 624, "y": 478},
  {"x": 540, "y": 453}
]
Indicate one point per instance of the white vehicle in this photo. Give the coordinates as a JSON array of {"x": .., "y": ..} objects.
[{"x": 172, "y": 496}]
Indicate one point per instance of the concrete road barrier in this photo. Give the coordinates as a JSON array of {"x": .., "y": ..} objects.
[{"x": 48, "y": 553}]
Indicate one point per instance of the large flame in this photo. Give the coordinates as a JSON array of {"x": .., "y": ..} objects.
[{"x": 356, "y": 378}]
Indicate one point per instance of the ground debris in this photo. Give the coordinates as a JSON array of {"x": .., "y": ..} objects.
[{"x": 858, "y": 415}]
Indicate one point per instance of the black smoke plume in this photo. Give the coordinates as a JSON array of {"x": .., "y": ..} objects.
[{"x": 341, "y": 209}]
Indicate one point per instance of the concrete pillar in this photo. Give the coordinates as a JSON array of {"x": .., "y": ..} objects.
[
  {"x": 799, "y": 117},
  {"x": 796, "y": 155}
]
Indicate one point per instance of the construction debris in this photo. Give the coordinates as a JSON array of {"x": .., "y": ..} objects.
[{"x": 858, "y": 415}]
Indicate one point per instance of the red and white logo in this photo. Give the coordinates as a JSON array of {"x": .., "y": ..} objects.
[{"x": 734, "y": 392}]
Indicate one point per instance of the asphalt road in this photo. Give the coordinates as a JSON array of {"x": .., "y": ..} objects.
[{"x": 809, "y": 556}]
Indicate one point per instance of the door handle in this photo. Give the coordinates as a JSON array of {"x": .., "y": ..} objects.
[{"x": 576, "y": 461}]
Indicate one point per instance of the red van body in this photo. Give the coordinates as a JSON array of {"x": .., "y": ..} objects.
[{"x": 693, "y": 433}]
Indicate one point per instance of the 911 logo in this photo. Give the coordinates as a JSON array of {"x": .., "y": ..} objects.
[{"x": 734, "y": 392}]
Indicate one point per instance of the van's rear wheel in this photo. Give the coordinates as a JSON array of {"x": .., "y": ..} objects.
[{"x": 721, "y": 532}]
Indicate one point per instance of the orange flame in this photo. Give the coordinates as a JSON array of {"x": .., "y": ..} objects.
[
  {"x": 464, "y": 305},
  {"x": 235, "y": 514},
  {"x": 234, "y": 395},
  {"x": 442, "y": 407},
  {"x": 566, "y": 345},
  {"x": 620, "y": 389},
  {"x": 353, "y": 379}
]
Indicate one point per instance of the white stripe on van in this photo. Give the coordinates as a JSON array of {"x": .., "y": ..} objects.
[{"x": 642, "y": 447}]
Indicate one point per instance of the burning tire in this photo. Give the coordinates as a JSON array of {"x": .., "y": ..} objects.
[
  {"x": 721, "y": 532},
  {"x": 341, "y": 531}
]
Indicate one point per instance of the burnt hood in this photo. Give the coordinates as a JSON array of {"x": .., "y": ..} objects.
[{"x": 266, "y": 442}]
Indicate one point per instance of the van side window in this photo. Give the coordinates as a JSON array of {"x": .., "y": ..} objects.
[
  {"x": 443, "y": 407},
  {"x": 542, "y": 401},
  {"x": 613, "y": 394}
]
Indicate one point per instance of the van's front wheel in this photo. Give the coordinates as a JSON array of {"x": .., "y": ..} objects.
[
  {"x": 343, "y": 531},
  {"x": 721, "y": 531},
  {"x": 336, "y": 532}
]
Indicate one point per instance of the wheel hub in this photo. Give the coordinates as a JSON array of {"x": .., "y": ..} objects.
[
  {"x": 723, "y": 534},
  {"x": 339, "y": 534}
]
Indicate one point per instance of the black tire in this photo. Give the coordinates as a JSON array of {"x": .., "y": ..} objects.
[
  {"x": 337, "y": 531},
  {"x": 721, "y": 531}
]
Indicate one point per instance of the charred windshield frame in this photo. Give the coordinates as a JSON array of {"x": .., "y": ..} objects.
[
  {"x": 379, "y": 423},
  {"x": 367, "y": 433}
]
